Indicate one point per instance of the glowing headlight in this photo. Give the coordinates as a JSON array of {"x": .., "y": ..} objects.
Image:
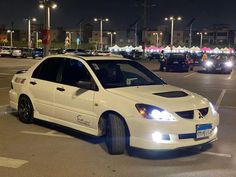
[
  {"x": 214, "y": 112},
  {"x": 155, "y": 113},
  {"x": 209, "y": 63},
  {"x": 229, "y": 64}
]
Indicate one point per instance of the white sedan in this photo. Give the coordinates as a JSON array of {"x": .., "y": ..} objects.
[{"x": 115, "y": 97}]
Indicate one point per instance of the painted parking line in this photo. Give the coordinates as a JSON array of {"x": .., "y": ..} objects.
[
  {"x": 50, "y": 133},
  {"x": 11, "y": 163},
  {"x": 4, "y": 106},
  {"x": 231, "y": 75},
  {"x": 5, "y": 74},
  {"x": 219, "y": 100},
  {"x": 217, "y": 154},
  {"x": 228, "y": 107},
  {"x": 189, "y": 75},
  {"x": 5, "y": 109},
  {"x": 4, "y": 88}
]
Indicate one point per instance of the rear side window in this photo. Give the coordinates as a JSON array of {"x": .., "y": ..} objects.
[{"x": 48, "y": 69}]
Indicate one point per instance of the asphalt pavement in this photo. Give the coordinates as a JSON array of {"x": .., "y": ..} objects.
[{"x": 47, "y": 150}]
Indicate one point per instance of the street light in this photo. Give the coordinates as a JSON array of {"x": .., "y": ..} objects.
[
  {"x": 101, "y": 21},
  {"x": 11, "y": 36},
  {"x": 172, "y": 19},
  {"x": 157, "y": 35},
  {"x": 201, "y": 37},
  {"x": 47, "y": 5},
  {"x": 111, "y": 33},
  {"x": 29, "y": 19}
]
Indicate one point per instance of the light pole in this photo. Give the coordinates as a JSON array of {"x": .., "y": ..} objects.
[
  {"x": 47, "y": 5},
  {"x": 36, "y": 39},
  {"x": 111, "y": 33},
  {"x": 29, "y": 19},
  {"x": 201, "y": 37},
  {"x": 172, "y": 19},
  {"x": 101, "y": 21},
  {"x": 157, "y": 35},
  {"x": 11, "y": 36}
]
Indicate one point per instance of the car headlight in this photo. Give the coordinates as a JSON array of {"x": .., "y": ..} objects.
[
  {"x": 154, "y": 113},
  {"x": 229, "y": 63},
  {"x": 209, "y": 63},
  {"x": 214, "y": 112}
]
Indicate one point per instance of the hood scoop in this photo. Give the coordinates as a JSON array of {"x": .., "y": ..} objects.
[{"x": 172, "y": 94}]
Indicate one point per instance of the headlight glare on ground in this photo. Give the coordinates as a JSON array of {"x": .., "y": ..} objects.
[{"x": 154, "y": 113}]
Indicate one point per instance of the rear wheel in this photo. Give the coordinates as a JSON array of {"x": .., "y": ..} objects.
[
  {"x": 115, "y": 135},
  {"x": 25, "y": 110}
]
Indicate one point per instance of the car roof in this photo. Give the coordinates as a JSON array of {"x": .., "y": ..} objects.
[{"x": 90, "y": 57}]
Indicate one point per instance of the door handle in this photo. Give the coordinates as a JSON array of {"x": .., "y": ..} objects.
[
  {"x": 33, "y": 83},
  {"x": 61, "y": 89}
]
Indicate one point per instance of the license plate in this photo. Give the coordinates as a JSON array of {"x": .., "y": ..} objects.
[
  {"x": 176, "y": 62},
  {"x": 218, "y": 69},
  {"x": 203, "y": 130}
]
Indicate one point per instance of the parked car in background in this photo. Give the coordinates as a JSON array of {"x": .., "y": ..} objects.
[
  {"x": 220, "y": 63},
  {"x": 134, "y": 54},
  {"x": 176, "y": 62},
  {"x": 75, "y": 52},
  {"x": 197, "y": 58},
  {"x": 55, "y": 51},
  {"x": 22, "y": 52},
  {"x": 102, "y": 53},
  {"x": 37, "y": 52},
  {"x": 156, "y": 56},
  {"x": 6, "y": 51}
]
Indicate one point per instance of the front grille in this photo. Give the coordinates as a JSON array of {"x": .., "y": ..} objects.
[
  {"x": 187, "y": 136},
  {"x": 203, "y": 111},
  {"x": 190, "y": 114},
  {"x": 186, "y": 114}
]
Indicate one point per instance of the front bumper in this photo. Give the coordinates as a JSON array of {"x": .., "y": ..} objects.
[{"x": 175, "y": 135}]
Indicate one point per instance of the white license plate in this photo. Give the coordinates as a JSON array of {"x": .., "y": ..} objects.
[
  {"x": 218, "y": 69},
  {"x": 176, "y": 62},
  {"x": 203, "y": 131}
]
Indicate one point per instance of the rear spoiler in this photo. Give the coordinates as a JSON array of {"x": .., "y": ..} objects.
[{"x": 22, "y": 71}]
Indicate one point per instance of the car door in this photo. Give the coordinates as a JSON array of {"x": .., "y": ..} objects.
[
  {"x": 73, "y": 105},
  {"x": 43, "y": 84}
]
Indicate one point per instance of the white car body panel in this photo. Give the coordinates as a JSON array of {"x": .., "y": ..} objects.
[{"x": 81, "y": 109}]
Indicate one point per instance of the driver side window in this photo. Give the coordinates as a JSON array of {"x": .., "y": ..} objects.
[{"x": 73, "y": 72}]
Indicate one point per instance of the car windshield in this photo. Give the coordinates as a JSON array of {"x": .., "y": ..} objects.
[
  {"x": 123, "y": 73},
  {"x": 221, "y": 58}
]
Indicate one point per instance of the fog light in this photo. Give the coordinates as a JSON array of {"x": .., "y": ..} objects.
[{"x": 157, "y": 137}]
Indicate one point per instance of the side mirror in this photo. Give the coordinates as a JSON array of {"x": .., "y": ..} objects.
[{"x": 87, "y": 85}]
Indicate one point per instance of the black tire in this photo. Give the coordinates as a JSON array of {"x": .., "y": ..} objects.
[
  {"x": 25, "y": 110},
  {"x": 115, "y": 135}
]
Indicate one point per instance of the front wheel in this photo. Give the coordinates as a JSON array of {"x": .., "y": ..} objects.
[
  {"x": 115, "y": 135},
  {"x": 25, "y": 110}
]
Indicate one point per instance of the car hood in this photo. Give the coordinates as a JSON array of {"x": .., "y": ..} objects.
[{"x": 167, "y": 97}]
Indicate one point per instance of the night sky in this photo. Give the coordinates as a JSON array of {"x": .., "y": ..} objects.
[{"x": 121, "y": 13}]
